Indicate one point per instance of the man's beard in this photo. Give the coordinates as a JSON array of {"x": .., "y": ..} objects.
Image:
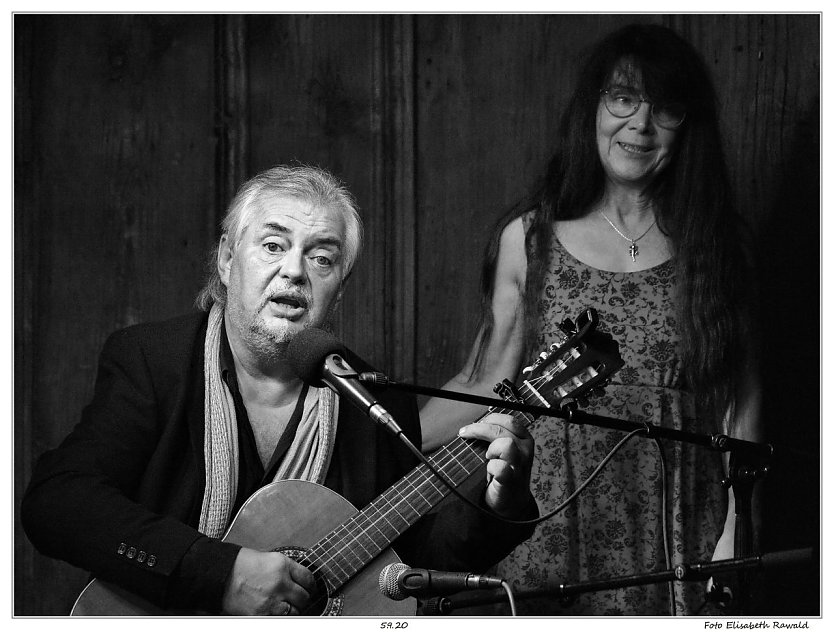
[
  {"x": 266, "y": 343},
  {"x": 269, "y": 343}
]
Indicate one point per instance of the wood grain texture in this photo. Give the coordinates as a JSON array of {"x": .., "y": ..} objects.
[
  {"x": 121, "y": 204},
  {"x": 394, "y": 187},
  {"x": 335, "y": 91},
  {"x": 766, "y": 94},
  {"x": 26, "y": 276},
  {"x": 232, "y": 108}
]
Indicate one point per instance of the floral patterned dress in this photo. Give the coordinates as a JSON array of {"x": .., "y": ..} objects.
[{"x": 615, "y": 528}]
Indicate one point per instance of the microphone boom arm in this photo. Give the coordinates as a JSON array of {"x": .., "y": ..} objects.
[
  {"x": 569, "y": 412},
  {"x": 683, "y": 572}
]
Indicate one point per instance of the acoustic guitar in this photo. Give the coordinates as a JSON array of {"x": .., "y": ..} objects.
[{"x": 345, "y": 548}]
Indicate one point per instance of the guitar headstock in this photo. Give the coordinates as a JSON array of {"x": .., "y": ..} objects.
[{"x": 581, "y": 362}]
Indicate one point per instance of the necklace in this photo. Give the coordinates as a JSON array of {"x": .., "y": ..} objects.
[{"x": 633, "y": 249}]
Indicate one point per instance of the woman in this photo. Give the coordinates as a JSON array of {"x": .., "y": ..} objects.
[{"x": 635, "y": 219}]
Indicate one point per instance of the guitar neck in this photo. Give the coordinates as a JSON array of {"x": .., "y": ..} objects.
[
  {"x": 347, "y": 549},
  {"x": 351, "y": 546}
]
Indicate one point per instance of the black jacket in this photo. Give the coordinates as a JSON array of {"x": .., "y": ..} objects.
[{"x": 121, "y": 496}]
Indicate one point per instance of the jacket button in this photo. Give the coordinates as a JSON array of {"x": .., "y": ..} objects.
[
  {"x": 121, "y": 550},
  {"x": 141, "y": 556},
  {"x": 151, "y": 560},
  {"x": 131, "y": 553}
]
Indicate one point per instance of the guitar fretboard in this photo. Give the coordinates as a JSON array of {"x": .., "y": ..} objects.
[{"x": 347, "y": 549}]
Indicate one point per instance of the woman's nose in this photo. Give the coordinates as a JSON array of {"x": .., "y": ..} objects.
[{"x": 642, "y": 119}]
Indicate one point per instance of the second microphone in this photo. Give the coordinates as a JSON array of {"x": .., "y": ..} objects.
[{"x": 398, "y": 581}]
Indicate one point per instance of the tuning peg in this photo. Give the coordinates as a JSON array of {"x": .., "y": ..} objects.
[
  {"x": 567, "y": 326},
  {"x": 536, "y": 363}
]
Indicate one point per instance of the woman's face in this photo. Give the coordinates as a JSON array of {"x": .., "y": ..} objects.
[{"x": 634, "y": 149}]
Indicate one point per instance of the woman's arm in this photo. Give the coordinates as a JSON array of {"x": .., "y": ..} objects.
[{"x": 441, "y": 418}]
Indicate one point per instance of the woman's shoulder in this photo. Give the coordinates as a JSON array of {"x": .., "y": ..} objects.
[
  {"x": 518, "y": 226},
  {"x": 513, "y": 234},
  {"x": 528, "y": 218}
]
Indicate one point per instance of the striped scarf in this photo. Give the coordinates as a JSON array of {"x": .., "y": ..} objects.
[{"x": 307, "y": 458}]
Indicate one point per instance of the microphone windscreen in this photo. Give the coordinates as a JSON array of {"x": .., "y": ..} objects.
[
  {"x": 307, "y": 352},
  {"x": 388, "y": 584}
]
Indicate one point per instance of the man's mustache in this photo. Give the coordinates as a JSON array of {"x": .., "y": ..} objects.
[{"x": 290, "y": 294}]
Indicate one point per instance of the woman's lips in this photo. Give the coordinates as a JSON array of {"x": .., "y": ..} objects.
[{"x": 634, "y": 149}]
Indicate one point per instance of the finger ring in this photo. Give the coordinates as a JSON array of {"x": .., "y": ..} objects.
[{"x": 288, "y": 611}]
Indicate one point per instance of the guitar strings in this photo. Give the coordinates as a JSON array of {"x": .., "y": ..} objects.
[
  {"x": 321, "y": 556},
  {"x": 449, "y": 456},
  {"x": 336, "y": 539},
  {"x": 442, "y": 461}
]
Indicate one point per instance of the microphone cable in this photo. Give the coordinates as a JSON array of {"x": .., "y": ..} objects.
[
  {"x": 508, "y": 589},
  {"x": 438, "y": 605},
  {"x": 606, "y": 459},
  {"x": 664, "y": 523},
  {"x": 561, "y": 507},
  {"x": 570, "y": 499}
]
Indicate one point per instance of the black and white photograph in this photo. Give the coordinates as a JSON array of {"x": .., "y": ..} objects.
[{"x": 418, "y": 316}]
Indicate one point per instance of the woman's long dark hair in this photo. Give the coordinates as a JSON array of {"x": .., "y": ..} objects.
[{"x": 692, "y": 200}]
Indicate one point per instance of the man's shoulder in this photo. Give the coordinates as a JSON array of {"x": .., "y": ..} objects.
[
  {"x": 170, "y": 336},
  {"x": 174, "y": 325}
]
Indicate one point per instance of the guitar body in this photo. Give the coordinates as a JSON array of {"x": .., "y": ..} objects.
[{"x": 286, "y": 516}]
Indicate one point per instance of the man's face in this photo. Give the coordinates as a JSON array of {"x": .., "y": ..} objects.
[{"x": 284, "y": 274}]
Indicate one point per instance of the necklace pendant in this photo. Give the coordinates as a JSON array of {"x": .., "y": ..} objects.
[{"x": 633, "y": 251}]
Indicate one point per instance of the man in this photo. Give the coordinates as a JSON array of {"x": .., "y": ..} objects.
[{"x": 191, "y": 416}]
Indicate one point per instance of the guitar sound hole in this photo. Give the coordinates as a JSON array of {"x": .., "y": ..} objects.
[{"x": 322, "y": 603}]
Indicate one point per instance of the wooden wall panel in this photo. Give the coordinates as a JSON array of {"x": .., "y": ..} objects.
[
  {"x": 120, "y": 206},
  {"x": 231, "y": 107},
  {"x": 767, "y": 95},
  {"x": 336, "y": 91},
  {"x": 26, "y": 266}
]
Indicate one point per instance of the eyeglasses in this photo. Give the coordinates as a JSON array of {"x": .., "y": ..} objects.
[{"x": 623, "y": 102}]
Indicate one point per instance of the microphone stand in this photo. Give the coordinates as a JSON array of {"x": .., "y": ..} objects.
[
  {"x": 569, "y": 412},
  {"x": 748, "y": 460},
  {"x": 683, "y": 572}
]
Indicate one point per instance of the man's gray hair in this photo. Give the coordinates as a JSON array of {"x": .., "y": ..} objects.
[{"x": 311, "y": 184}]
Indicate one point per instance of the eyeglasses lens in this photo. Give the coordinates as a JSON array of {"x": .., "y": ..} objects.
[{"x": 622, "y": 102}]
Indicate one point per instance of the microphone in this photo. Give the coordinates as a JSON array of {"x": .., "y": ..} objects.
[
  {"x": 316, "y": 357},
  {"x": 398, "y": 581}
]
